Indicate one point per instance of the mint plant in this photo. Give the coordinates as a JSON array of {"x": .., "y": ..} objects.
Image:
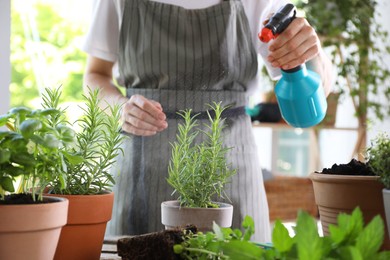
[
  {"x": 349, "y": 239},
  {"x": 198, "y": 171}
]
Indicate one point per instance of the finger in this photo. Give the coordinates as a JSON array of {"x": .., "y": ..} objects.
[
  {"x": 289, "y": 33},
  {"x": 128, "y": 128},
  {"x": 298, "y": 53},
  {"x": 309, "y": 54},
  {"x": 156, "y": 104},
  {"x": 291, "y": 46},
  {"x": 140, "y": 124},
  {"x": 148, "y": 106},
  {"x": 134, "y": 115}
]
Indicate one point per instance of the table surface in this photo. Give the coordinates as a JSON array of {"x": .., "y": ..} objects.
[{"x": 109, "y": 250}]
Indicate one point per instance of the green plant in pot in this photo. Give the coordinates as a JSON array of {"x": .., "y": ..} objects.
[
  {"x": 87, "y": 180},
  {"x": 198, "y": 171},
  {"x": 32, "y": 155},
  {"x": 379, "y": 163},
  {"x": 350, "y": 29}
]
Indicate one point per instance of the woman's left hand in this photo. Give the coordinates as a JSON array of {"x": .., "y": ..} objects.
[{"x": 297, "y": 44}]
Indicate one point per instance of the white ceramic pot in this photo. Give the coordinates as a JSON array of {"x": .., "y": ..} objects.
[{"x": 173, "y": 216}]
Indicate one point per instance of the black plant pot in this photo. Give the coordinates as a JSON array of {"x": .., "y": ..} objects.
[{"x": 268, "y": 113}]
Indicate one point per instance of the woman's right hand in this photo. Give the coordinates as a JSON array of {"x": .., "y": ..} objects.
[{"x": 142, "y": 116}]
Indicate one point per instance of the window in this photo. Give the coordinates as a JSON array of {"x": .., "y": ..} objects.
[{"x": 45, "y": 40}]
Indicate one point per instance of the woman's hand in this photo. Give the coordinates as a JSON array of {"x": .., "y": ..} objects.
[
  {"x": 297, "y": 44},
  {"x": 142, "y": 116}
]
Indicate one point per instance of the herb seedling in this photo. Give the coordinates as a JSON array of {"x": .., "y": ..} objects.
[
  {"x": 88, "y": 162},
  {"x": 349, "y": 239},
  {"x": 197, "y": 171}
]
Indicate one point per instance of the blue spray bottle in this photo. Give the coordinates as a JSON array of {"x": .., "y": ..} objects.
[{"x": 299, "y": 92}]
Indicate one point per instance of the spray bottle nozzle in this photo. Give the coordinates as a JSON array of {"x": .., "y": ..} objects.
[{"x": 278, "y": 23}]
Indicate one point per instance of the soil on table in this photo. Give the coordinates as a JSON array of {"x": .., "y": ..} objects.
[
  {"x": 153, "y": 246},
  {"x": 354, "y": 167},
  {"x": 22, "y": 198}
]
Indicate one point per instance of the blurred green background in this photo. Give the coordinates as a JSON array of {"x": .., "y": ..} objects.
[{"x": 45, "y": 49}]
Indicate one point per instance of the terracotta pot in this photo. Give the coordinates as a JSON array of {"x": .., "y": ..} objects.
[
  {"x": 172, "y": 216},
  {"x": 343, "y": 193},
  {"x": 31, "y": 231},
  {"x": 82, "y": 238}
]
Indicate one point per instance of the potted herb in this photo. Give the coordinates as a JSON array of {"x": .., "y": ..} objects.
[
  {"x": 87, "y": 182},
  {"x": 198, "y": 171},
  {"x": 379, "y": 163},
  {"x": 32, "y": 153},
  {"x": 343, "y": 187}
]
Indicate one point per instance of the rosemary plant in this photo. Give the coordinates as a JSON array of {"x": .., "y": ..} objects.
[
  {"x": 198, "y": 171},
  {"x": 89, "y": 161}
]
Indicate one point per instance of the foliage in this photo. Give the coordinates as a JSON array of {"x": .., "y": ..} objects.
[
  {"x": 43, "y": 148},
  {"x": 359, "y": 44},
  {"x": 198, "y": 171},
  {"x": 349, "y": 239},
  {"x": 97, "y": 144},
  {"x": 33, "y": 148},
  {"x": 48, "y": 56},
  {"x": 378, "y": 155}
]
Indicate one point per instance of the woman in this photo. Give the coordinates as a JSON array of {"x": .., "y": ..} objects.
[{"x": 174, "y": 55}]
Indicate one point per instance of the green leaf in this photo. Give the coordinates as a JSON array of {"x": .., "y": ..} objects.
[
  {"x": 46, "y": 112},
  {"x": 351, "y": 253},
  {"x": 62, "y": 180},
  {"x": 309, "y": 243},
  {"x": 4, "y": 134},
  {"x": 249, "y": 225},
  {"x": 50, "y": 141},
  {"x": 74, "y": 159},
  {"x": 218, "y": 232},
  {"x": 7, "y": 184},
  {"x": 23, "y": 158},
  {"x": 3, "y": 119},
  {"x": 67, "y": 133},
  {"x": 19, "y": 111},
  {"x": 5, "y": 155},
  {"x": 281, "y": 240},
  {"x": 241, "y": 250},
  {"x": 15, "y": 171},
  {"x": 28, "y": 127},
  {"x": 348, "y": 228},
  {"x": 371, "y": 238}
]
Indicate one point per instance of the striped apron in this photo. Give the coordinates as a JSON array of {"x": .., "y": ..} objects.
[{"x": 186, "y": 59}]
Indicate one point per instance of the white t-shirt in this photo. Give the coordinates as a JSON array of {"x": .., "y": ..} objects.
[{"x": 102, "y": 38}]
